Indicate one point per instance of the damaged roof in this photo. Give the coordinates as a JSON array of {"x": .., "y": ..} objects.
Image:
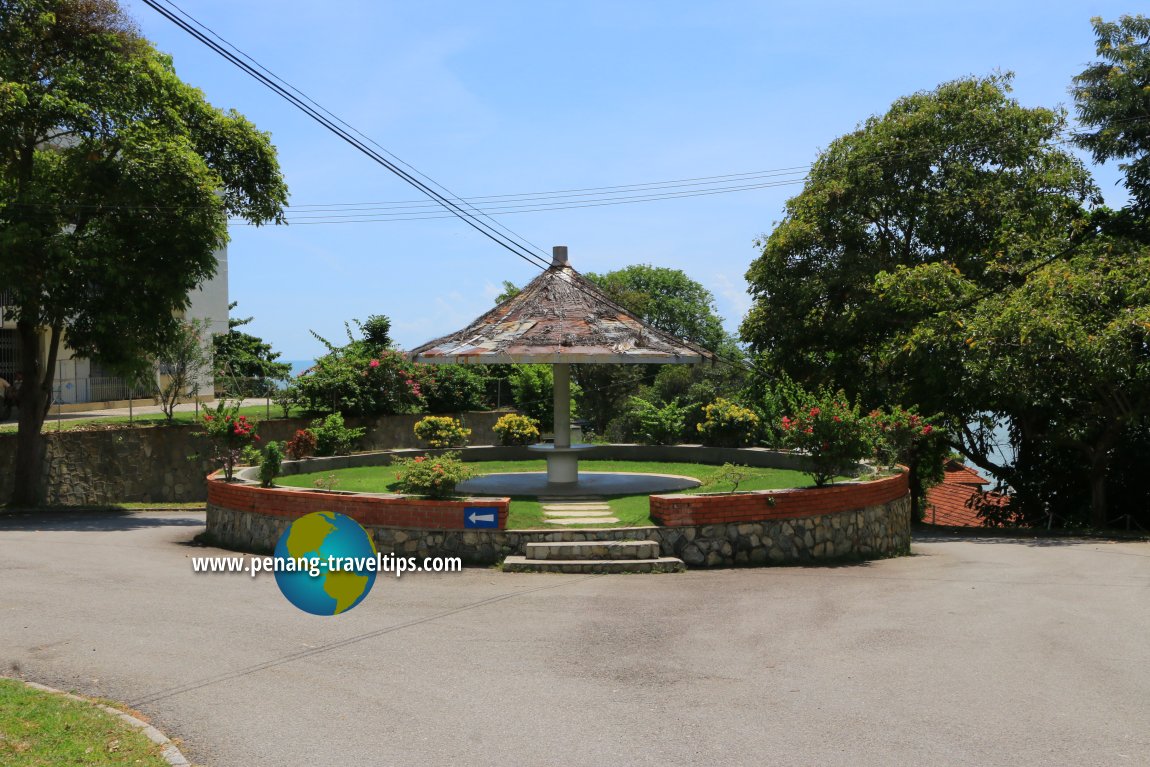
[{"x": 559, "y": 317}]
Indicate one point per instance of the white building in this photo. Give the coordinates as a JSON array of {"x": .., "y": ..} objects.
[{"x": 80, "y": 380}]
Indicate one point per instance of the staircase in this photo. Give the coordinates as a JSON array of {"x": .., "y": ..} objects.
[{"x": 593, "y": 557}]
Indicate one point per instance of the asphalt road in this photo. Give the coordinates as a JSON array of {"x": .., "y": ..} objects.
[{"x": 971, "y": 652}]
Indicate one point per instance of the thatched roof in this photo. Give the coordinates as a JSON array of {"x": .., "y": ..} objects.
[{"x": 559, "y": 317}]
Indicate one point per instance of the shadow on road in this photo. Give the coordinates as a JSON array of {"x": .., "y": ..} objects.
[
  {"x": 1034, "y": 538},
  {"x": 96, "y": 520}
]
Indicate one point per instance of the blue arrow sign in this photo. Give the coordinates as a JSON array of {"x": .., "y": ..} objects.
[{"x": 480, "y": 516}]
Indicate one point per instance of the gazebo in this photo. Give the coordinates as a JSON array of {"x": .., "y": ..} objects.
[{"x": 560, "y": 318}]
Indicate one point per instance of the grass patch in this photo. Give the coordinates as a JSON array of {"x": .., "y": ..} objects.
[
  {"x": 138, "y": 421},
  {"x": 631, "y": 510},
  {"x": 42, "y": 729}
]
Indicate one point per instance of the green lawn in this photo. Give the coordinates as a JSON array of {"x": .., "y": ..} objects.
[
  {"x": 41, "y": 729},
  {"x": 139, "y": 420},
  {"x": 631, "y": 510}
]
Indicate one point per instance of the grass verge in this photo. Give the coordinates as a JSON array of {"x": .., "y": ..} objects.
[
  {"x": 138, "y": 421},
  {"x": 43, "y": 729}
]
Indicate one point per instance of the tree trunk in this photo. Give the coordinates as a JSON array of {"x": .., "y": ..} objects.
[
  {"x": 1098, "y": 495},
  {"x": 1101, "y": 452},
  {"x": 917, "y": 512},
  {"x": 33, "y": 405}
]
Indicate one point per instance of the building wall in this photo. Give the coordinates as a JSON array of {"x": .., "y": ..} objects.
[{"x": 78, "y": 380}]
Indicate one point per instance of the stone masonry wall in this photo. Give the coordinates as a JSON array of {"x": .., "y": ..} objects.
[
  {"x": 866, "y": 533},
  {"x": 168, "y": 464}
]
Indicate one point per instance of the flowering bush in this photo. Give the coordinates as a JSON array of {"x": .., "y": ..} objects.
[
  {"x": 515, "y": 429},
  {"x": 433, "y": 477},
  {"x": 301, "y": 445},
  {"x": 360, "y": 378},
  {"x": 828, "y": 428},
  {"x": 900, "y": 433},
  {"x": 903, "y": 436},
  {"x": 442, "y": 431},
  {"x": 230, "y": 435},
  {"x": 726, "y": 424}
]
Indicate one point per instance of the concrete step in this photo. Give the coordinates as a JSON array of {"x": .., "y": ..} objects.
[
  {"x": 580, "y": 513},
  {"x": 631, "y": 550},
  {"x": 518, "y": 564},
  {"x": 582, "y": 521},
  {"x": 576, "y": 507},
  {"x": 570, "y": 499}
]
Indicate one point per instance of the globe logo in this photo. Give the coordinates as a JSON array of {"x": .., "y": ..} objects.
[{"x": 325, "y": 563}]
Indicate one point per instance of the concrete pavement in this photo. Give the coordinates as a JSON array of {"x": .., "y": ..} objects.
[{"x": 971, "y": 652}]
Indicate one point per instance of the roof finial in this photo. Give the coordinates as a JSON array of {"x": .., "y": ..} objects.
[{"x": 559, "y": 255}]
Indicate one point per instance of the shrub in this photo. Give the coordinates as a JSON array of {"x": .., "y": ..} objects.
[
  {"x": 658, "y": 424},
  {"x": 727, "y": 424},
  {"x": 362, "y": 377},
  {"x": 326, "y": 482},
  {"x": 452, "y": 388},
  {"x": 332, "y": 437},
  {"x": 730, "y": 473},
  {"x": 230, "y": 435},
  {"x": 270, "y": 463},
  {"x": 442, "y": 431},
  {"x": 828, "y": 428},
  {"x": 432, "y": 477},
  {"x": 903, "y": 436},
  {"x": 516, "y": 429},
  {"x": 301, "y": 445}
]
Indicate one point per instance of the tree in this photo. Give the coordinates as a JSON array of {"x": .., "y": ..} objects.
[
  {"x": 1113, "y": 97},
  {"x": 510, "y": 290},
  {"x": 246, "y": 363},
  {"x": 667, "y": 299},
  {"x": 116, "y": 182},
  {"x": 182, "y": 360},
  {"x": 960, "y": 178}
]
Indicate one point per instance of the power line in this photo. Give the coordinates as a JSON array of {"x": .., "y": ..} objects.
[
  {"x": 493, "y": 231},
  {"x": 417, "y": 214}
]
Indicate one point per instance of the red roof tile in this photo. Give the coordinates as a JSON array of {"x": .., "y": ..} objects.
[{"x": 960, "y": 474}]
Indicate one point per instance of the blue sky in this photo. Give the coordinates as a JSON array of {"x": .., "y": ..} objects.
[{"x": 514, "y": 97}]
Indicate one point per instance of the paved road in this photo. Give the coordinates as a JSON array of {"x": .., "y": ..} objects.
[{"x": 988, "y": 652}]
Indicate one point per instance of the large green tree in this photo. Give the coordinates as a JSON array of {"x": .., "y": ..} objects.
[
  {"x": 116, "y": 182},
  {"x": 1064, "y": 358},
  {"x": 961, "y": 176},
  {"x": 669, "y": 300},
  {"x": 1112, "y": 97}
]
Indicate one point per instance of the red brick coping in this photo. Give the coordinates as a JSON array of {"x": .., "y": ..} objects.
[
  {"x": 410, "y": 513},
  {"x": 686, "y": 510}
]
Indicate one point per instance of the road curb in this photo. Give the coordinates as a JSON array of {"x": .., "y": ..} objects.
[{"x": 171, "y": 753}]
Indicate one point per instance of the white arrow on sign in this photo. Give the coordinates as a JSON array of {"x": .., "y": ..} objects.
[{"x": 481, "y": 518}]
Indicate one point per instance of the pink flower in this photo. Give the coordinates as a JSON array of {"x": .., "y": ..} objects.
[
  {"x": 373, "y": 364},
  {"x": 815, "y": 411},
  {"x": 926, "y": 430}
]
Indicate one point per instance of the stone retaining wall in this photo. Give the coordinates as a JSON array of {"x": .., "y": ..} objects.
[
  {"x": 707, "y": 509},
  {"x": 168, "y": 464},
  {"x": 862, "y": 520}
]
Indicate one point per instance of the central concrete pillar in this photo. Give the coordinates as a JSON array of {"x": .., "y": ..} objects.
[{"x": 562, "y": 463}]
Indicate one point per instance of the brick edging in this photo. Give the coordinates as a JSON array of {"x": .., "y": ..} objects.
[{"x": 761, "y": 505}]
